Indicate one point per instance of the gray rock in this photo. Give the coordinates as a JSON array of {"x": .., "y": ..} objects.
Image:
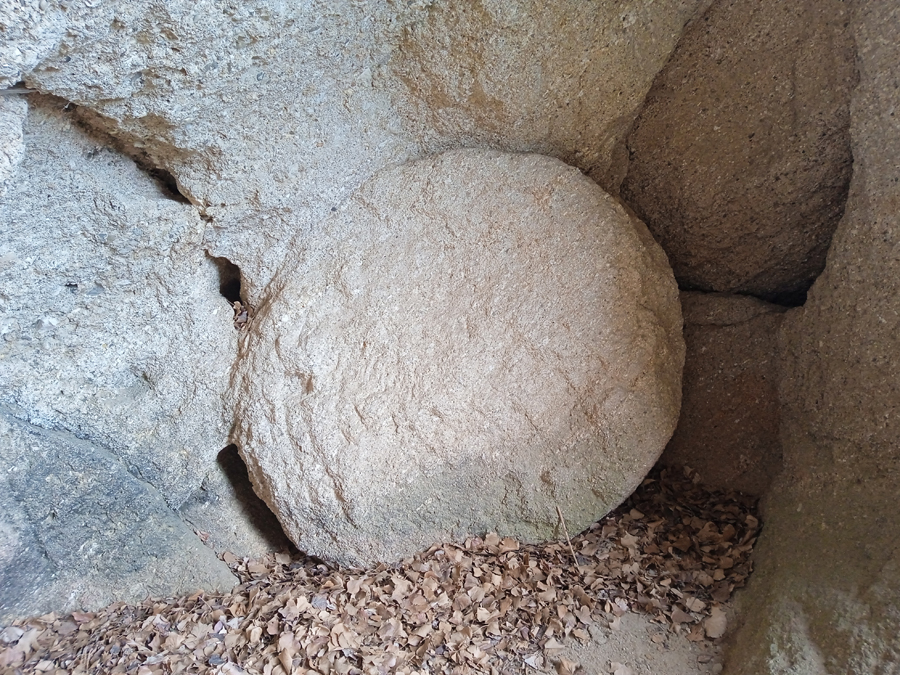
[
  {"x": 826, "y": 590},
  {"x": 271, "y": 113},
  {"x": 470, "y": 342},
  {"x": 77, "y": 531},
  {"x": 229, "y": 514},
  {"x": 729, "y": 424},
  {"x": 32, "y": 29},
  {"x": 740, "y": 159},
  {"x": 111, "y": 322},
  {"x": 12, "y": 149}
]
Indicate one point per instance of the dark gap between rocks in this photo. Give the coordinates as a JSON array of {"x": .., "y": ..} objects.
[
  {"x": 229, "y": 279},
  {"x": 255, "y": 509},
  {"x": 103, "y": 131}
]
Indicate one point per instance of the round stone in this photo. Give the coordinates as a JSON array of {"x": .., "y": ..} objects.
[{"x": 469, "y": 342}]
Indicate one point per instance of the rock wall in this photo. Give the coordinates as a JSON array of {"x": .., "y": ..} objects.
[
  {"x": 268, "y": 114},
  {"x": 729, "y": 425},
  {"x": 741, "y": 155},
  {"x": 77, "y": 530},
  {"x": 112, "y": 324},
  {"x": 115, "y": 352},
  {"x": 825, "y": 597},
  {"x": 264, "y": 116}
]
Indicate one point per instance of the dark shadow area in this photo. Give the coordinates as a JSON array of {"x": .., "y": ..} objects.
[
  {"x": 100, "y": 128},
  {"x": 791, "y": 298},
  {"x": 229, "y": 279},
  {"x": 166, "y": 180},
  {"x": 257, "y": 513}
]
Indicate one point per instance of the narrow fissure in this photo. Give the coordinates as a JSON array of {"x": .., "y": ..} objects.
[{"x": 229, "y": 278}]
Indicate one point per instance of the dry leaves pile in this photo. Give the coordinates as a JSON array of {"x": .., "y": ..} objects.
[{"x": 673, "y": 549}]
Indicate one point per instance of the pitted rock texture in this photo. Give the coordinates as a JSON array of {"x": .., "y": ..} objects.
[
  {"x": 826, "y": 591},
  {"x": 77, "y": 531},
  {"x": 270, "y": 113},
  {"x": 557, "y": 78},
  {"x": 12, "y": 149},
  {"x": 740, "y": 158},
  {"x": 111, "y": 322},
  {"x": 468, "y": 343},
  {"x": 729, "y": 424}
]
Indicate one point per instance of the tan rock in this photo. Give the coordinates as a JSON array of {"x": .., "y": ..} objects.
[
  {"x": 558, "y": 78},
  {"x": 728, "y": 430},
  {"x": 470, "y": 342},
  {"x": 826, "y": 590},
  {"x": 740, "y": 159},
  {"x": 269, "y": 114}
]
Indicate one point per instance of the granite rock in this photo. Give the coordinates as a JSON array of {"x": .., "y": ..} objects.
[
  {"x": 729, "y": 424},
  {"x": 112, "y": 326},
  {"x": 468, "y": 343},
  {"x": 826, "y": 591},
  {"x": 740, "y": 158},
  {"x": 77, "y": 531},
  {"x": 269, "y": 114}
]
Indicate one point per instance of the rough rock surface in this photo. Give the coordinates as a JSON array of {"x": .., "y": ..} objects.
[
  {"x": 728, "y": 429},
  {"x": 111, "y": 320},
  {"x": 270, "y": 113},
  {"x": 229, "y": 515},
  {"x": 564, "y": 79},
  {"x": 740, "y": 159},
  {"x": 12, "y": 149},
  {"x": 468, "y": 343},
  {"x": 77, "y": 531},
  {"x": 825, "y": 597}
]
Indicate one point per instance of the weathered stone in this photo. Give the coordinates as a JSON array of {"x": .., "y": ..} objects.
[
  {"x": 740, "y": 159},
  {"x": 77, "y": 531},
  {"x": 270, "y": 113},
  {"x": 564, "y": 79},
  {"x": 468, "y": 343},
  {"x": 111, "y": 320},
  {"x": 229, "y": 514},
  {"x": 12, "y": 113},
  {"x": 728, "y": 429},
  {"x": 30, "y": 33},
  {"x": 825, "y": 597}
]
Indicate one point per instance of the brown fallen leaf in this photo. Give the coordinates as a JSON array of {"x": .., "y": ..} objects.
[
  {"x": 679, "y": 616},
  {"x": 715, "y": 624},
  {"x": 566, "y": 667}
]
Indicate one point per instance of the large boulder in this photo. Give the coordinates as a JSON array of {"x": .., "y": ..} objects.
[
  {"x": 77, "y": 531},
  {"x": 557, "y": 78},
  {"x": 728, "y": 429},
  {"x": 468, "y": 343},
  {"x": 270, "y": 113},
  {"x": 825, "y": 596},
  {"x": 111, "y": 320},
  {"x": 740, "y": 158}
]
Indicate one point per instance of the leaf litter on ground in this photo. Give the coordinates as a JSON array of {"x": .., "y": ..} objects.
[{"x": 673, "y": 550}]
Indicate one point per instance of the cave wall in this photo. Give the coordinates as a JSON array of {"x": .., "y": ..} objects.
[{"x": 825, "y": 596}]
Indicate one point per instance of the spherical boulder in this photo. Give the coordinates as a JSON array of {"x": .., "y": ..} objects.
[{"x": 468, "y": 343}]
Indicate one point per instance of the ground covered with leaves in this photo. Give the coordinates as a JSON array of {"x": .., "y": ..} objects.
[{"x": 674, "y": 550}]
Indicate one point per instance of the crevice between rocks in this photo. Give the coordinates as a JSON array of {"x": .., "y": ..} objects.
[
  {"x": 101, "y": 130},
  {"x": 229, "y": 278}
]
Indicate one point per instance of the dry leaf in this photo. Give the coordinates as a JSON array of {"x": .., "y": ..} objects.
[
  {"x": 679, "y": 616},
  {"x": 566, "y": 667},
  {"x": 715, "y": 624},
  {"x": 457, "y": 608}
]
